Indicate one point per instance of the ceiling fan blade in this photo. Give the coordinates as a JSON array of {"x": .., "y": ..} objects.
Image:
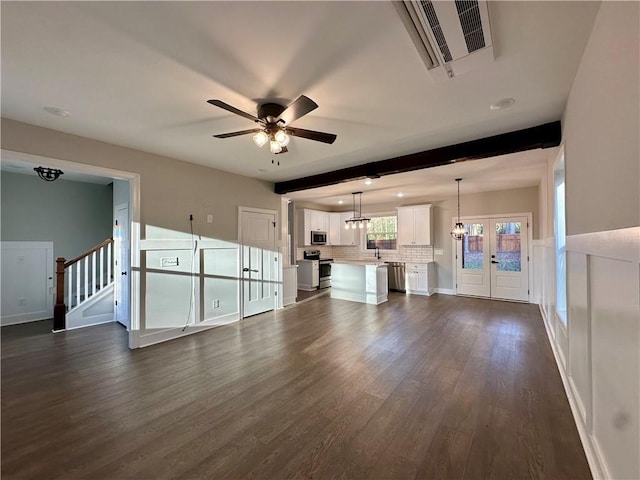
[
  {"x": 229, "y": 108},
  {"x": 312, "y": 135},
  {"x": 300, "y": 107},
  {"x": 284, "y": 150},
  {"x": 236, "y": 134}
]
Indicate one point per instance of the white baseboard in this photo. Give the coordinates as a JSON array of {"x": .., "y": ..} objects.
[
  {"x": 96, "y": 320},
  {"x": 147, "y": 338},
  {"x": 25, "y": 320},
  {"x": 595, "y": 460},
  {"x": 445, "y": 291}
]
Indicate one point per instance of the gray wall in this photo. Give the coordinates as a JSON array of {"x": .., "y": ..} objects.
[
  {"x": 169, "y": 189},
  {"x": 75, "y": 216},
  {"x": 601, "y": 125}
]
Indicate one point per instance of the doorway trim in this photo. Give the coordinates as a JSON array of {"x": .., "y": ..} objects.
[
  {"x": 454, "y": 263},
  {"x": 134, "y": 220},
  {"x": 276, "y": 248}
]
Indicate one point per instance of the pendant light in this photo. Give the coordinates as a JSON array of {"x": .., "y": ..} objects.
[
  {"x": 458, "y": 232},
  {"x": 357, "y": 221}
]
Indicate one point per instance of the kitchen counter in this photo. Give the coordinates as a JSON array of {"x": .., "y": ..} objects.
[
  {"x": 360, "y": 262},
  {"x": 359, "y": 281}
]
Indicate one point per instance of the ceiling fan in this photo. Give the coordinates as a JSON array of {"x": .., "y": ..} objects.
[{"x": 274, "y": 120}]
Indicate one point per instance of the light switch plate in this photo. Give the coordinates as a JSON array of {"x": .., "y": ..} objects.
[{"x": 438, "y": 251}]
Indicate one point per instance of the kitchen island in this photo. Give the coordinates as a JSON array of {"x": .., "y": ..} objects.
[{"x": 359, "y": 281}]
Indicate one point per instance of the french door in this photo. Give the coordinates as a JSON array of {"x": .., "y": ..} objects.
[{"x": 492, "y": 259}]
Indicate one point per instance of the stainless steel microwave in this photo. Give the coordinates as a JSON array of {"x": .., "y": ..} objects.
[{"x": 318, "y": 238}]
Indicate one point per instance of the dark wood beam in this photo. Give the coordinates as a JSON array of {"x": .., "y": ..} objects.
[{"x": 542, "y": 136}]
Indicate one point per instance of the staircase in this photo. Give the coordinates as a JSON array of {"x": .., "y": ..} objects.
[{"x": 86, "y": 283}]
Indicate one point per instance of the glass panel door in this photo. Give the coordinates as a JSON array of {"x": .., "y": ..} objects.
[
  {"x": 472, "y": 261},
  {"x": 509, "y": 272}
]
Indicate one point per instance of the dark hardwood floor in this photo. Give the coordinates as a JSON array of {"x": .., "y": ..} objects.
[{"x": 418, "y": 387}]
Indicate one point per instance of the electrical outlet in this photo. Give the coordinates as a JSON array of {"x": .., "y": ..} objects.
[
  {"x": 209, "y": 218},
  {"x": 169, "y": 262},
  {"x": 20, "y": 259},
  {"x": 22, "y": 302},
  {"x": 191, "y": 217},
  {"x": 216, "y": 304}
]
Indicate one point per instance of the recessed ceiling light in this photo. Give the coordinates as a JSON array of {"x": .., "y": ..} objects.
[
  {"x": 59, "y": 112},
  {"x": 400, "y": 194},
  {"x": 368, "y": 182},
  {"x": 502, "y": 104},
  {"x": 340, "y": 202},
  {"x": 262, "y": 170}
]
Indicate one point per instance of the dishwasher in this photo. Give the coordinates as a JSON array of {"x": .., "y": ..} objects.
[{"x": 395, "y": 272}]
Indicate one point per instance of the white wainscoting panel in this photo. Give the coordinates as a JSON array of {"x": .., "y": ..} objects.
[
  {"x": 187, "y": 285},
  {"x": 580, "y": 332},
  {"x": 601, "y": 373},
  {"x": 616, "y": 363}
]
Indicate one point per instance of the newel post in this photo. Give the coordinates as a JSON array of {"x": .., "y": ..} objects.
[{"x": 59, "y": 309}]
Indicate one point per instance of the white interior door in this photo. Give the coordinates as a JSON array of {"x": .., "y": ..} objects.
[
  {"x": 492, "y": 259},
  {"x": 27, "y": 282},
  {"x": 509, "y": 265},
  {"x": 122, "y": 264},
  {"x": 473, "y": 269},
  {"x": 259, "y": 261}
]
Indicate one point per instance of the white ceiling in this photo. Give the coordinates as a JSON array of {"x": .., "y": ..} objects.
[{"x": 138, "y": 74}]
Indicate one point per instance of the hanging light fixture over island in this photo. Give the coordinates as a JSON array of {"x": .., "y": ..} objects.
[{"x": 357, "y": 221}]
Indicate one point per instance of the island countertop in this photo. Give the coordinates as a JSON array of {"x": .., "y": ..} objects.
[
  {"x": 372, "y": 263},
  {"x": 359, "y": 281}
]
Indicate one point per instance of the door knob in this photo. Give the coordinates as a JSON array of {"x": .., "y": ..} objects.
[
  {"x": 493, "y": 261},
  {"x": 123, "y": 273},
  {"x": 245, "y": 269}
]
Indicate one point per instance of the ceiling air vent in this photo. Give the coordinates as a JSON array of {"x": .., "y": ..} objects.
[{"x": 452, "y": 37}]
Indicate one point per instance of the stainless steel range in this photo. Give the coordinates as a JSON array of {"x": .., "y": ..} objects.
[{"x": 324, "y": 270}]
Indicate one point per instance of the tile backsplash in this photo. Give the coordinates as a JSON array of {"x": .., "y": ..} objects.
[{"x": 417, "y": 254}]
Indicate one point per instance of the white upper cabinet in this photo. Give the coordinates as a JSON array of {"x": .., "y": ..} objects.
[
  {"x": 318, "y": 221},
  {"x": 311, "y": 221},
  {"x": 335, "y": 229},
  {"x": 414, "y": 225},
  {"x": 330, "y": 222}
]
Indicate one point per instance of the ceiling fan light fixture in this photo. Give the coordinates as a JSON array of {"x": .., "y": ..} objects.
[
  {"x": 282, "y": 138},
  {"x": 275, "y": 146},
  {"x": 260, "y": 139}
]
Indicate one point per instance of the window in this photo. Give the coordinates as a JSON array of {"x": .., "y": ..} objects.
[
  {"x": 382, "y": 233},
  {"x": 560, "y": 233}
]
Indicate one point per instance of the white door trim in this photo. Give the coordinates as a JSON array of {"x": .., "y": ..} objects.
[
  {"x": 529, "y": 217},
  {"x": 118, "y": 278},
  {"x": 276, "y": 248},
  {"x": 134, "y": 220}
]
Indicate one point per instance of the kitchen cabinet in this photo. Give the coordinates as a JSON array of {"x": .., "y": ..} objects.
[
  {"x": 414, "y": 225},
  {"x": 334, "y": 235},
  {"x": 308, "y": 274},
  {"x": 350, "y": 236},
  {"x": 289, "y": 284},
  {"x": 310, "y": 221},
  {"x": 420, "y": 278},
  {"x": 330, "y": 222}
]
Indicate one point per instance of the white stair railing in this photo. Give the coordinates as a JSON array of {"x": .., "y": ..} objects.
[{"x": 83, "y": 279}]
